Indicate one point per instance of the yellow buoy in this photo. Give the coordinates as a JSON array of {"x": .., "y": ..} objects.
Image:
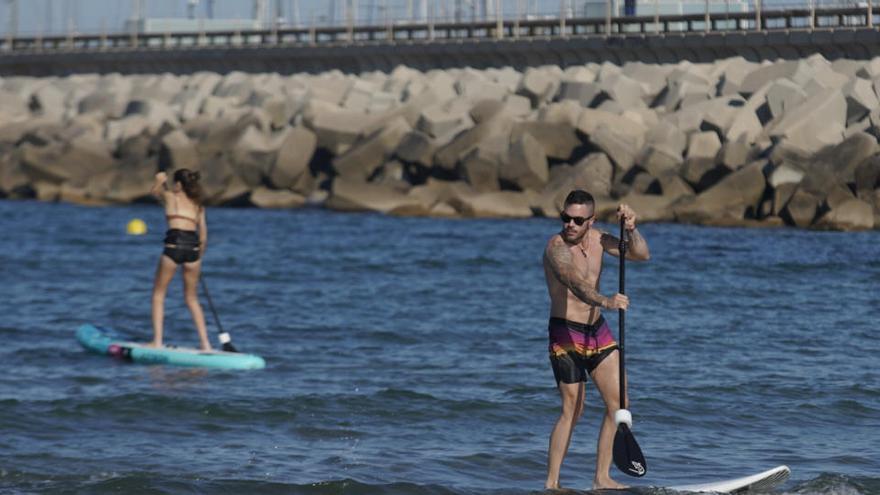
[{"x": 136, "y": 227}]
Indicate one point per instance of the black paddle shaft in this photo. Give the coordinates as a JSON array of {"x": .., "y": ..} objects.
[
  {"x": 626, "y": 452},
  {"x": 621, "y": 312},
  {"x": 226, "y": 346}
]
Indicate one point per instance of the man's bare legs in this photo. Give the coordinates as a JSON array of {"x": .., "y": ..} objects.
[
  {"x": 572, "y": 395},
  {"x": 164, "y": 273},
  {"x": 191, "y": 273},
  {"x": 606, "y": 376}
]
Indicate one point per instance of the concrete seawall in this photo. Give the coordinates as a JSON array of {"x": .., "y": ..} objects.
[{"x": 731, "y": 142}]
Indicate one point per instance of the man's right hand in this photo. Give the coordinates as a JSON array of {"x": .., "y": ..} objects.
[{"x": 618, "y": 301}]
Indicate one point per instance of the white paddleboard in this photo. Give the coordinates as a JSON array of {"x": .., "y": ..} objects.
[{"x": 756, "y": 482}]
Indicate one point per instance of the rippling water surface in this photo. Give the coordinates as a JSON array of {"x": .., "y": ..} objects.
[{"x": 408, "y": 356}]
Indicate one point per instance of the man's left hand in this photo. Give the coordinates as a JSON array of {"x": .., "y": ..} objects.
[{"x": 628, "y": 216}]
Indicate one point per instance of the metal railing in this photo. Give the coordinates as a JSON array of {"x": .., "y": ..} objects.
[{"x": 756, "y": 19}]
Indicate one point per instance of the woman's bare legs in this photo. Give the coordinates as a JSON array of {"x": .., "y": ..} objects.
[
  {"x": 191, "y": 272},
  {"x": 164, "y": 273}
]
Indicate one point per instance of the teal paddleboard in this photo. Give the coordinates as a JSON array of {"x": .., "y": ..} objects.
[{"x": 107, "y": 342}]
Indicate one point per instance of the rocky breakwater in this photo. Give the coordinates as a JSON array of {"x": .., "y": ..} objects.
[{"x": 728, "y": 143}]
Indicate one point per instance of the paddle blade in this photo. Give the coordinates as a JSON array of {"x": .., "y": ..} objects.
[
  {"x": 627, "y": 454},
  {"x": 228, "y": 347}
]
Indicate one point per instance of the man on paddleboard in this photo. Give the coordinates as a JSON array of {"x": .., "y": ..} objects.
[{"x": 581, "y": 343}]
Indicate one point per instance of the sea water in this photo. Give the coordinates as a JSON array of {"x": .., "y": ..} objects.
[{"x": 409, "y": 356}]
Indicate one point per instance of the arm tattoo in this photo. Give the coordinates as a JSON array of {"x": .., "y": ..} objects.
[
  {"x": 562, "y": 265},
  {"x": 637, "y": 245}
]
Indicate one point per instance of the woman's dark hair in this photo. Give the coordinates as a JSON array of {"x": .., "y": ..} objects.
[{"x": 189, "y": 181}]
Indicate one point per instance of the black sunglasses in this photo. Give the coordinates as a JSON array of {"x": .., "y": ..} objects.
[{"x": 577, "y": 220}]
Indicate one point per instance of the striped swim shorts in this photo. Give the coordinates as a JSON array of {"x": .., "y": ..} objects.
[{"x": 576, "y": 349}]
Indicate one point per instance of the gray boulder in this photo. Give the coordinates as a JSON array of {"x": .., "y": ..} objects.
[
  {"x": 294, "y": 155},
  {"x": 354, "y": 195},
  {"x": 526, "y": 164},
  {"x": 729, "y": 199},
  {"x": 703, "y": 148},
  {"x": 417, "y": 147},
  {"x": 851, "y": 214},
  {"x": 499, "y": 204},
  {"x": 178, "y": 151},
  {"x": 558, "y": 140},
  {"x": 819, "y": 121},
  {"x": 365, "y": 156},
  {"x": 264, "y": 197}
]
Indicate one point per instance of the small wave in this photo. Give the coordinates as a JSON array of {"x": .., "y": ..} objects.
[
  {"x": 112, "y": 483},
  {"x": 837, "y": 484}
]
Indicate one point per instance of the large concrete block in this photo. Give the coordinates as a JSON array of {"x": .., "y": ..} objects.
[
  {"x": 517, "y": 105},
  {"x": 817, "y": 122},
  {"x": 539, "y": 85},
  {"x": 558, "y": 140},
  {"x": 449, "y": 155},
  {"x": 293, "y": 158},
  {"x": 417, "y": 147},
  {"x": 475, "y": 86},
  {"x": 867, "y": 177},
  {"x": 703, "y": 148},
  {"x": 235, "y": 85},
  {"x": 732, "y": 197},
  {"x": 443, "y": 119},
  {"x": 110, "y": 104},
  {"x": 797, "y": 71},
  {"x": 801, "y": 209},
  {"x": 860, "y": 99},
  {"x": 480, "y": 166},
  {"x": 650, "y": 207},
  {"x": 366, "y": 155},
  {"x": 564, "y": 112},
  {"x": 659, "y": 160},
  {"x": 329, "y": 88},
  {"x": 355, "y": 195},
  {"x": 578, "y": 73},
  {"x": 254, "y": 154},
  {"x": 264, "y": 197},
  {"x": 594, "y": 173},
  {"x": 48, "y": 102},
  {"x": 785, "y": 174},
  {"x": 498, "y": 204},
  {"x": 215, "y": 106},
  {"x": 156, "y": 113},
  {"x": 620, "y": 88},
  {"x": 526, "y": 164},
  {"x": 622, "y": 145},
  {"x": 652, "y": 77},
  {"x": 336, "y": 130},
  {"x": 782, "y": 95},
  {"x": 734, "y": 154},
  {"x": 674, "y": 187},
  {"x": 584, "y": 93},
  {"x": 732, "y": 72},
  {"x": 161, "y": 87},
  {"x": 850, "y": 215},
  {"x": 177, "y": 151}
]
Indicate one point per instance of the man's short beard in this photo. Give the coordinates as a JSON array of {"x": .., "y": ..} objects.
[{"x": 577, "y": 239}]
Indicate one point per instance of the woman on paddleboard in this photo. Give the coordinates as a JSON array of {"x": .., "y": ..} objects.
[{"x": 185, "y": 242}]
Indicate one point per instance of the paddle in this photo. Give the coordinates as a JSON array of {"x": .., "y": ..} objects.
[
  {"x": 627, "y": 454},
  {"x": 225, "y": 338}
]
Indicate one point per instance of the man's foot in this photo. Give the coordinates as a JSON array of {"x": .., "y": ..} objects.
[
  {"x": 607, "y": 484},
  {"x": 153, "y": 343},
  {"x": 552, "y": 485}
]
